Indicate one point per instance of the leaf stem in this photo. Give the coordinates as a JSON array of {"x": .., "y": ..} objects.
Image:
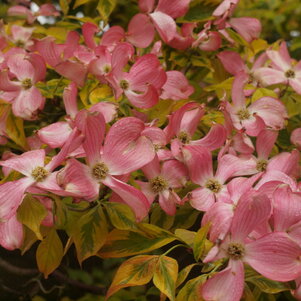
[{"x": 172, "y": 248}]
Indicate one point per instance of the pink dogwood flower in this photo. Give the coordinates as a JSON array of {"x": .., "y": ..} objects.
[
  {"x": 261, "y": 254},
  {"x": 199, "y": 162},
  {"x": 182, "y": 126},
  {"x": 62, "y": 57},
  {"x": 56, "y": 134},
  {"x": 31, "y": 164},
  {"x": 287, "y": 212},
  {"x": 142, "y": 84},
  {"x": 140, "y": 33},
  {"x": 176, "y": 87},
  {"x": 162, "y": 182},
  {"x": 124, "y": 151},
  {"x": 282, "y": 71},
  {"x": 11, "y": 233},
  {"x": 45, "y": 10},
  {"x": 163, "y": 16},
  {"x": 264, "y": 112},
  {"x": 27, "y": 69},
  {"x": 296, "y": 138}
]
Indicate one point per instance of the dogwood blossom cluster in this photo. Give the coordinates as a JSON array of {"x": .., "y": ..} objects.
[{"x": 247, "y": 191}]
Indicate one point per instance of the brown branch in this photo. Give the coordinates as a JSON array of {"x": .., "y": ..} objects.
[
  {"x": 56, "y": 274},
  {"x": 97, "y": 290},
  {"x": 17, "y": 270}
]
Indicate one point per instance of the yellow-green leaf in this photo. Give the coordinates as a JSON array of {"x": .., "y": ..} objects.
[
  {"x": 103, "y": 93},
  {"x": 293, "y": 107},
  {"x": 138, "y": 270},
  {"x": 31, "y": 213},
  {"x": 89, "y": 233},
  {"x": 186, "y": 236},
  {"x": 265, "y": 285},
  {"x": 199, "y": 242},
  {"x": 15, "y": 130},
  {"x": 29, "y": 239},
  {"x": 160, "y": 111},
  {"x": 248, "y": 295},
  {"x": 105, "y": 8},
  {"x": 166, "y": 275},
  {"x": 49, "y": 253},
  {"x": 121, "y": 216},
  {"x": 184, "y": 273},
  {"x": 64, "y": 4},
  {"x": 262, "y": 92},
  {"x": 122, "y": 243},
  {"x": 259, "y": 45},
  {"x": 79, "y": 3},
  {"x": 191, "y": 290},
  {"x": 12, "y": 176},
  {"x": 86, "y": 90}
]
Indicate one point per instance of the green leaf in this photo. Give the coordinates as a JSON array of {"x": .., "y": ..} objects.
[
  {"x": 236, "y": 37},
  {"x": 49, "y": 253},
  {"x": 179, "y": 59},
  {"x": 31, "y": 213},
  {"x": 264, "y": 284},
  {"x": 138, "y": 270},
  {"x": 89, "y": 233},
  {"x": 197, "y": 13},
  {"x": 121, "y": 216},
  {"x": 160, "y": 218},
  {"x": 53, "y": 87},
  {"x": 184, "y": 273},
  {"x": 105, "y": 8},
  {"x": 185, "y": 218},
  {"x": 122, "y": 243},
  {"x": 191, "y": 290},
  {"x": 248, "y": 295},
  {"x": 166, "y": 275},
  {"x": 199, "y": 244}
]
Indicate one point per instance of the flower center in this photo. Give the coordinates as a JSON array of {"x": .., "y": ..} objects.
[
  {"x": 261, "y": 165},
  {"x": 124, "y": 84},
  {"x": 235, "y": 251},
  {"x": 107, "y": 69},
  {"x": 290, "y": 73},
  {"x": 158, "y": 184},
  {"x": 20, "y": 43},
  {"x": 243, "y": 114},
  {"x": 39, "y": 174},
  {"x": 213, "y": 185},
  {"x": 26, "y": 83},
  {"x": 100, "y": 171},
  {"x": 184, "y": 137}
]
